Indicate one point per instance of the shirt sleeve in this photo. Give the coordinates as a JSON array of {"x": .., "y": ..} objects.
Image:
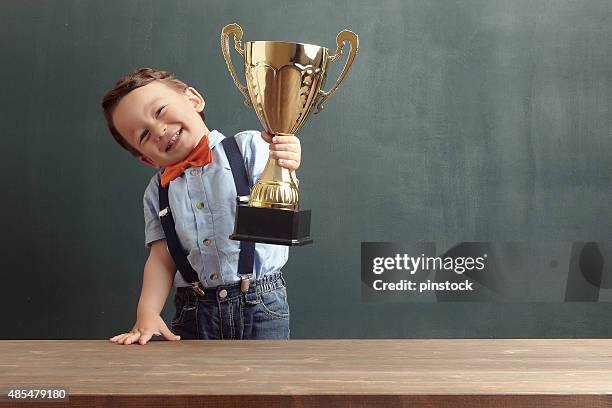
[{"x": 153, "y": 227}]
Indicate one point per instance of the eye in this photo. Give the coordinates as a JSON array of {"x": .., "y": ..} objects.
[
  {"x": 144, "y": 135},
  {"x": 159, "y": 111}
]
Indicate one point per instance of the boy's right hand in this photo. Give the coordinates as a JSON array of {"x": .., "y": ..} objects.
[{"x": 145, "y": 328}]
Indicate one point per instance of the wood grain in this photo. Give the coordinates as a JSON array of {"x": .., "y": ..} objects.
[{"x": 308, "y": 373}]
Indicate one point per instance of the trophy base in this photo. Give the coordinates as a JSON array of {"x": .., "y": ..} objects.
[{"x": 272, "y": 226}]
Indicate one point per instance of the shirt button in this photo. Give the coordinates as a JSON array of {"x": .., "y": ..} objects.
[
  {"x": 194, "y": 172},
  {"x": 200, "y": 205},
  {"x": 214, "y": 276},
  {"x": 222, "y": 293},
  {"x": 207, "y": 242}
]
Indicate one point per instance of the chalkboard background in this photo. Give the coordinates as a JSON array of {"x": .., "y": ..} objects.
[{"x": 479, "y": 120}]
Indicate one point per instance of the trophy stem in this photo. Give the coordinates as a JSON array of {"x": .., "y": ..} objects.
[{"x": 276, "y": 188}]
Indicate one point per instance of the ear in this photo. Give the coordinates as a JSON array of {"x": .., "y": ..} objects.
[
  {"x": 148, "y": 162},
  {"x": 195, "y": 99}
]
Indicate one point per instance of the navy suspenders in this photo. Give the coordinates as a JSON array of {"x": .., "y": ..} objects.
[
  {"x": 241, "y": 181},
  {"x": 247, "y": 249}
]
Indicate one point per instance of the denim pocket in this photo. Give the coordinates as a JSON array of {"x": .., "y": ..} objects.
[
  {"x": 274, "y": 303},
  {"x": 184, "y": 308}
]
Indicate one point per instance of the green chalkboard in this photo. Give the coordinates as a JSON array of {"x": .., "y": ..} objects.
[{"x": 478, "y": 120}]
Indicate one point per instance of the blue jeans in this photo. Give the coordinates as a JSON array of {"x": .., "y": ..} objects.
[{"x": 225, "y": 312}]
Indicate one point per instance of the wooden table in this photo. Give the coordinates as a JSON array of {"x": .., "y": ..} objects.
[{"x": 311, "y": 373}]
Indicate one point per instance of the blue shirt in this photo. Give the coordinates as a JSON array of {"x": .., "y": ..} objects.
[{"x": 203, "y": 204}]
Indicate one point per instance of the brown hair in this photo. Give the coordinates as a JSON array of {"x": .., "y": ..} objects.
[{"x": 136, "y": 79}]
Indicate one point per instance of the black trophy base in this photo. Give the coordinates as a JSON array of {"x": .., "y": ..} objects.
[{"x": 272, "y": 226}]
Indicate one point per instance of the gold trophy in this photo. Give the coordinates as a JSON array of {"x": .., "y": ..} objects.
[{"x": 283, "y": 84}]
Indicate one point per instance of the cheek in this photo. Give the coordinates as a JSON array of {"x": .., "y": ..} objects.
[{"x": 149, "y": 149}]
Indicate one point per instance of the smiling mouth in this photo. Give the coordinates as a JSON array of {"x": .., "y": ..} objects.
[{"x": 174, "y": 139}]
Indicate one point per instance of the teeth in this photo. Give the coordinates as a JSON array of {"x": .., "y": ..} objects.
[{"x": 173, "y": 139}]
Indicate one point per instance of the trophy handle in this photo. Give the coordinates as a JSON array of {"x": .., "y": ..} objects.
[
  {"x": 342, "y": 37},
  {"x": 236, "y": 30}
]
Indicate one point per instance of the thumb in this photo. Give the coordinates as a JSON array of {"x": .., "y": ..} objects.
[
  {"x": 168, "y": 335},
  {"x": 266, "y": 136}
]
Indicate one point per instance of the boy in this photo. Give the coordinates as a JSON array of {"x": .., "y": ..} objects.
[{"x": 160, "y": 120}]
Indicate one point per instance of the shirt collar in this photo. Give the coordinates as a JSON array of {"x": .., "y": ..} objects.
[{"x": 214, "y": 137}]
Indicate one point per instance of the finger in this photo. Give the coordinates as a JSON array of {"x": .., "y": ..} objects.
[
  {"x": 116, "y": 337},
  {"x": 287, "y": 147},
  {"x": 145, "y": 337},
  {"x": 131, "y": 338},
  {"x": 285, "y": 155},
  {"x": 168, "y": 335},
  {"x": 285, "y": 139},
  {"x": 119, "y": 338},
  {"x": 289, "y": 164}
]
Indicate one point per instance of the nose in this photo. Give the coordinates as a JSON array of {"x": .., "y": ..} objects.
[{"x": 159, "y": 131}]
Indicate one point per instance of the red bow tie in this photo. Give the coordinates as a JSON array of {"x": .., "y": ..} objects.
[{"x": 199, "y": 156}]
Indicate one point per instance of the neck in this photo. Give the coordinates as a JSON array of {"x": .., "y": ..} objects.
[{"x": 202, "y": 134}]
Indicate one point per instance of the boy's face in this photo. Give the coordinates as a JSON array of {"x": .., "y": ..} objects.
[{"x": 163, "y": 124}]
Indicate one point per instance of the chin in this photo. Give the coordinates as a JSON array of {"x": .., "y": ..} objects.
[{"x": 180, "y": 157}]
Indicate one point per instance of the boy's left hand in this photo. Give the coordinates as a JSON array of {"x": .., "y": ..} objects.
[{"x": 285, "y": 149}]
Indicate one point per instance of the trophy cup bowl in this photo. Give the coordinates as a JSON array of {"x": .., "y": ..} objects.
[{"x": 284, "y": 83}]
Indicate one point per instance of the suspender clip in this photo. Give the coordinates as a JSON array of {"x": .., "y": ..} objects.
[
  {"x": 244, "y": 283},
  {"x": 197, "y": 288},
  {"x": 240, "y": 200}
]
